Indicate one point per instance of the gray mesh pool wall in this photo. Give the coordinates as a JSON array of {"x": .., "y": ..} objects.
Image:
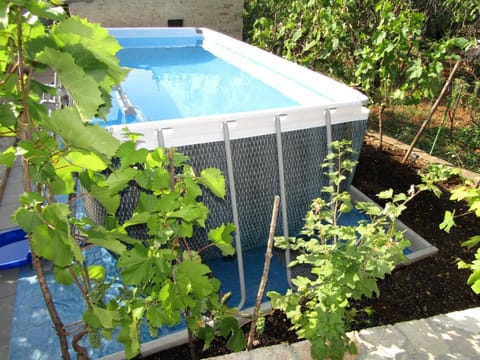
[
  {"x": 255, "y": 165},
  {"x": 256, "y": 175}
]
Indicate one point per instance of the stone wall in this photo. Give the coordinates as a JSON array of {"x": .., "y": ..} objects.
[{"x": 225, "y": 16}]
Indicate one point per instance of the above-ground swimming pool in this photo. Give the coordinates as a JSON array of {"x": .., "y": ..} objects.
[
  {"x": 264, "y": 121},
  {"x": 186, "y": 82}
]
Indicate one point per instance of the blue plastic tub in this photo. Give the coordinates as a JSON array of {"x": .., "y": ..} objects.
[{"x": 14, "y": 249}]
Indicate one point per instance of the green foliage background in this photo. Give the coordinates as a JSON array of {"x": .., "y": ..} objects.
[
  {"x": 399, "y": 53},
  {"x": 364, "y": 43}
]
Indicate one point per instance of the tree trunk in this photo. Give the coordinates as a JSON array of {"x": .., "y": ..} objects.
[
  {"x": 191, "y": 342},
  {"x": 57, "y": 322},
  {"x": 25, "y": 134},
  {"x": 82, "y": 353}
]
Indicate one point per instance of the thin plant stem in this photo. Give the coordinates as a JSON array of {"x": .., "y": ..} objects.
[
  {"x": 191, "y": 339},
  {"x": 171, "y": 169},
  {"x": 82, "y": 289}
]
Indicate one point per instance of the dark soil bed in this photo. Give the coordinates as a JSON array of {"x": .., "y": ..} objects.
[
  {"x": 434, "y": 285},
  {"x": 428, "y": 287}
]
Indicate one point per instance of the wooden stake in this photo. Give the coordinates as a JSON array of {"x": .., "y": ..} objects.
[
  {"x": 432, "y": 111},
  {"x": 266, "y": 270}
]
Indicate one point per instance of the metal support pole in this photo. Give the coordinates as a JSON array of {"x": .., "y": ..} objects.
[
  {"x": 283, "y": 196},
  {"x": 160, "y": 138},
  {"x": 328, "y": 127},
  {"x": 233, "y": 196}
]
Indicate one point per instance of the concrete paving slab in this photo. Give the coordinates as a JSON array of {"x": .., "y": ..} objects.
[
  {"x": 9, "y": 201},
  {"x": 10, "y": 179},
  {"x": 384, "y": 342},
  {"x": 5, "y": 143},
  {"x": 451, "y": 336},
  {"x": 279, "y": 352},
  {"x": 422, "y": 338},
  {"x": 301, "y": 350},
  {"x": 244, "y": 355},
  {"x": 6, "y": 312},
  {"x": 8, "y": 286},
  {"x": 8, "y": 282},
  {"x": 4, "y": 351}
]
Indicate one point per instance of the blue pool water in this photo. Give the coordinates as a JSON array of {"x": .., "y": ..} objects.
[{"x": 179, "y": 82}]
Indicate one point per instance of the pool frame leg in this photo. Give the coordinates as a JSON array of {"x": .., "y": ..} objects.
[
  {"x": 233, "y": 196},
  {"x": 283, "y": 196},
  {"x": 281, "y": 175},
  {"x": 328, "y": 126},
  {"x": 160, "y": 138},
  {"x": 238, "y": 245}
]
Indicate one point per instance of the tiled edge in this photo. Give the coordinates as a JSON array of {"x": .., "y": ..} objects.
[
  {"x": 8, "y": 287},
  {"x": 5, "y": 143}
]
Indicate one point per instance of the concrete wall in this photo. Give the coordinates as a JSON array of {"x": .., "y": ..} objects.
[{"x": 225, "y": 16}]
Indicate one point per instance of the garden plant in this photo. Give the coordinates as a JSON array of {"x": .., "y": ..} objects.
[
  {"x": 162, "y": 279},
  {"x": 469, "y": 192},
  {"x": 396, "y": 52},
  {"x": 344, "y": 261}
]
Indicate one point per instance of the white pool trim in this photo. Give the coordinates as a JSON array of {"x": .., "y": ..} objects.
[{"x": 205, "y": 129}]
